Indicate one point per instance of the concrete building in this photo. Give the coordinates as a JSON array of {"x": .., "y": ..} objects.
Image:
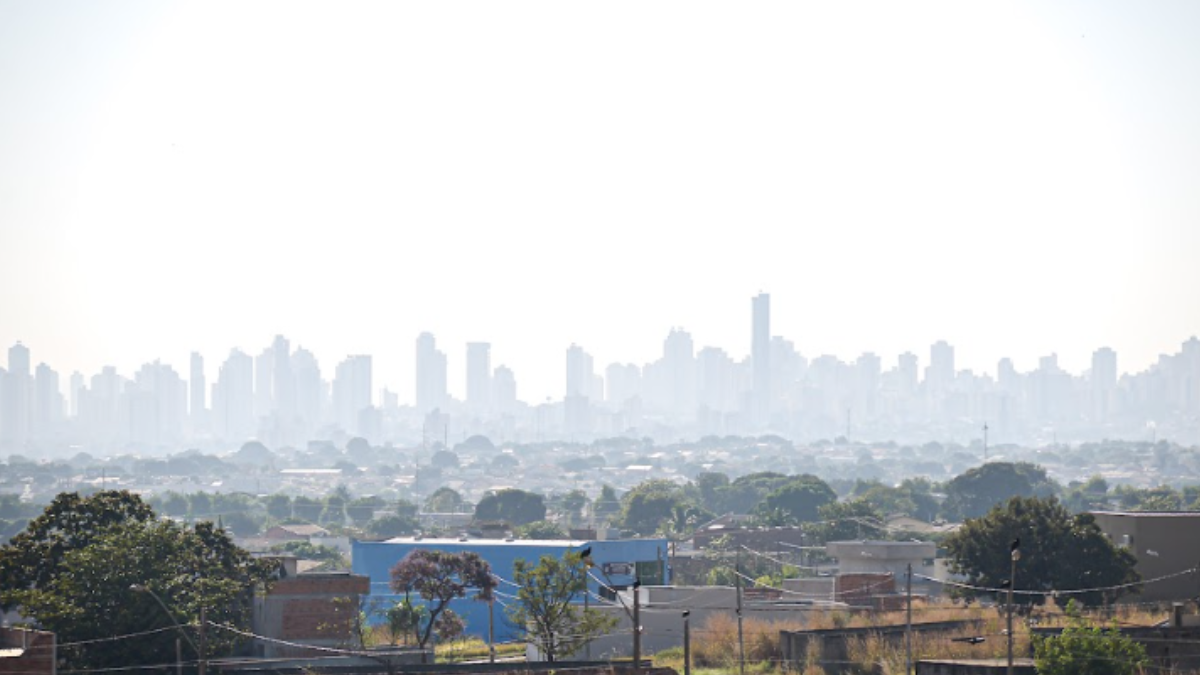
[
  {"x": 888, "y": 557},
  {"x": 617, "y": 564},
  {"x": 1163, "y": 543},
  {"x": 317, "y": 610}
]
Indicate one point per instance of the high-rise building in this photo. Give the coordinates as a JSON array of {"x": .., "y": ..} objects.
[
  {"x": 504, "y": 391},
  {"x": 908, "y": 373},
  {"x": 264, "y": 383},
  {"x": 679, "y": 362},
  {"x": 1103, "y": 383},
  {"x": 47, "y": 402},
  {"x": 310, "y": 404},
  {"x": 431, "y": 374},
  {"x": 233, "y": 398},
  {"x": 77, "y": 387},
  {"x": 580, "y": 372},
  {"x": 940, "y": 373},
  {"x": 623, "y": 383},
  {"x": 198, "y": 408},
  {"x": 760, "y": 356},
  {"x": 283, "y": 386},
  {"x": 15, "y": 414},
  {"x": 352, "y": 392},
  {"x": 479, "y": 376}
]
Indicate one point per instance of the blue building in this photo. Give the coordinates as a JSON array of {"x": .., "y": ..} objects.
[{"x": 617, "y": 564}]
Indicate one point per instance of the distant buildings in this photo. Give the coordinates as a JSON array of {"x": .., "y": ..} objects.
[{"x": 282, "y": 398}]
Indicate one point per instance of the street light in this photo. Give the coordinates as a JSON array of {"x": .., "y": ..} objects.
[
  {"x": 687, "y": 643},
  {"x": 1014, "y": 555},
  {"x": 142, "y": 588}
]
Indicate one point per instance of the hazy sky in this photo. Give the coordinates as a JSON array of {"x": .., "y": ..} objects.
[{"x": 1017, "y": 178}]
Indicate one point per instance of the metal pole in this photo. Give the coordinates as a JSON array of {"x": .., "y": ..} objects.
[
  {"x": 1012, "y": 581},
  {"x": 637, "y": 632},
  {"x": 741, "y": 636},
  {"x": 908, "y": 626},
  {"x": 203, "y": 664},
  {"x": 178, "y": 656},
  {"x": 687, "y": 644},
  {"x": 491, "y": 631}
]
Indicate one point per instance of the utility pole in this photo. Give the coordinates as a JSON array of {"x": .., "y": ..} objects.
[
  {"x": 737, "y": 575},
  {"x": 1012, "y": 581},
  {"x": 908, "y": 624},
  {"x": 178, "y": 656},
  {"x": 637, "y": 630},
  {"x": 687, "y": 643},
  {"x": 202, "y": 666},
  {"x": 491, "y": 631}
]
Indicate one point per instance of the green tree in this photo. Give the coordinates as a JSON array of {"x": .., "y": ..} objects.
[
  {"x": 914, "y": 496},
  {"x": 517, "y": 507},
  {"x": 746, "y": 492},
  {"x": 572, "y": 505},
  {"x": 444, "y": 500},
  {"x": 546, "y": 608},
  {"x": 709, "y": 486},
  {"x": 607, "y": 504},
  {"x": 175, "y": 504},
  {"x": 279, "y": 507},
  {"x": 542, "y": 529},
  {"x": 800, "y": 499},
  {"x": 387, "y": 527},
  {"x": 648, "y": 505},
  {"x": 974, "y": 492},
  {"x": 83, "y": 587},
  {"x": 307, "y": 509},
  {"x": 1059, "y": 551},
  {"x": 362, "y": 510},
  {"x": 1088, "y": 649},
  {"x": 440, "y": 577},
  {"x": 842, "y": 521}
]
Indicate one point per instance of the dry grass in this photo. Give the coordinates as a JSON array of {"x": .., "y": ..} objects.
[{"x": 716, "y": 650}]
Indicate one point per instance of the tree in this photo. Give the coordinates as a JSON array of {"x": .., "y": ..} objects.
[
  {"x": 572, "y": 505},
  {"x": 607, "y": 503},
  {"x": 306, "y": 509},
  {"x": 1059, "y": 551},
  {"x": 439, "y": 577},
  {"x": 517, "y": 507},
  {"x": 745, "y": 493},
  {"x": 974, "y": 492},
  {"x": 800, "y": 499},
  {"x": 1088, "y": 649},
  {"x": 361, "y": 510},
  {"x": 649, "y": 504},
  {"x": 544, "y": 608},
  {"x": 542, "y": 529},
  {"x": 70, "y": 522},
  {"x": 82, "y": 588},
  {"x": 387, "y": 527},
  {"x": 279, "y": 507},
  {"x": 841, "y": 521},
  {"x": 444, "y": 459},
  {"x": 444, "y": 500}
]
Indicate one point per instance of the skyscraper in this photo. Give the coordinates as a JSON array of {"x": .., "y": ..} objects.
[
  {"x": 198, "y": 405},
  {"x": 15, "y": 414},
  {"x": 352, "y": 392},
  {"x": 504, "y": 391},
  {"x": 283, "y": 386},
  {"x": 760, "y": 355},
  {"x": 233, "y": 398},
  {"x": 1103, "y": 383},
  {"x": 431, "y": 374},
  {"x": 580, "y": 372},
  {"x": 479, "y": 376}
]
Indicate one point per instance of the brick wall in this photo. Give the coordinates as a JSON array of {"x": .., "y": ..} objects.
[{"x": 37, "y": 657}]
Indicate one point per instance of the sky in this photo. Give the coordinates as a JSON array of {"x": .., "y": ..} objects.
[{"x": 1017, "y": 178}]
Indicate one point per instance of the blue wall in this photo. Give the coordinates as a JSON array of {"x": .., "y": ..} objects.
[{"x": 376, "y": 560}]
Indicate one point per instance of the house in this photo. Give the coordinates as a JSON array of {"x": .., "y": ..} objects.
[{"x": 299, "y": 532}]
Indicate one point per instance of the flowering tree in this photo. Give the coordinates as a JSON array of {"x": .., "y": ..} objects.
[{"x": 439, "y": 577}]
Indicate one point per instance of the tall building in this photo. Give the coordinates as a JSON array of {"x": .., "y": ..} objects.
[
  {"x": 908, "y": 373},
  {"x": 479, "y": 376},
  {"x": 352, "y": 392},
  {"x": 940, "y": 373},
  {"x": 306, "y": 378},
  {"x": 283, "y": 386},
  {"x": 581, "y": 375},
  {"x": 198, "y": 405},
  {"x": 233, "y": 398},
  {"x": 264, "y": 383},
  {"x": 431, "y": 374},
  {"x": 15, "y": 414},
  {"x": 1103, "y": 384},
  {"x": 760, "y": 356},
  {"x": 504, "y": 391},
  {"x": 47, "y": 402},
  {"x": 679, "y": 362}
]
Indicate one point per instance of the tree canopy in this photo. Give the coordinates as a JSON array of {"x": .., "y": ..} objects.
[
  {"x": 1081, "y": 648},
  {"x": 1059, "y": 551},
  {"x": 975, "y": 491},
  {"x": 74, "y": 571},
  {"x": 517, "y": 507},
  {"x": 799, "y": 500}
]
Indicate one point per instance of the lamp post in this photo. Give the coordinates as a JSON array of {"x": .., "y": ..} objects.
[
  {"x": 142, "y": 588},
  {"x": 1015, "y": 555},
  {"x": 687, "y": 643}
]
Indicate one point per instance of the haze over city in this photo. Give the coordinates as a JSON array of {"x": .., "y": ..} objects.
[{"x": 1016, "y": 180}]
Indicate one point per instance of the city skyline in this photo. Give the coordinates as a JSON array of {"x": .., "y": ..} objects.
[{"x": 1014, "y": 179}]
